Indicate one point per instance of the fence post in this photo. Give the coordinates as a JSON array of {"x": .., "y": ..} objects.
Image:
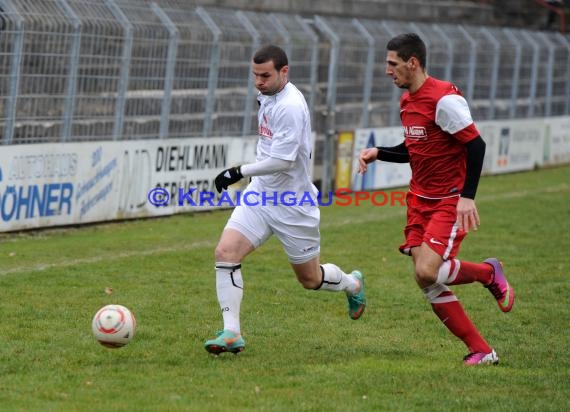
[
  {"x": 563, "y": 39},
  {"x": 169, "y": 71},
  {"x": 369, "y": 73},
  {"x": 516, "y": 71},
  {"x": 494, "y": 72},
  {"x": 472, "y": 64},
  {"x": 395, "y": 99},
  {"x": 246, "y": 129},
  {"x": 450, "y": 49},
  {"x": 12, "y": 100},
  {"x": 314, "y": 64},
  {"x": 549, "y": 75},
  {"x": 330, "y": 124},
  {"x": 71, "y": 86},
  {"x": 533, "y": 73},
  {"x": 125, "y": 68},
  {"x": 283, "y": 32},
  {"x": 213, "y": 75}
]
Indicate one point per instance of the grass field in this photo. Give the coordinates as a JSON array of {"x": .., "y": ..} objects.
[{"x": 303, "y": 352}]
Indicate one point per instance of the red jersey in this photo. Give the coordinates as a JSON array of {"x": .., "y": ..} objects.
[{"x": 437, "y": 125}]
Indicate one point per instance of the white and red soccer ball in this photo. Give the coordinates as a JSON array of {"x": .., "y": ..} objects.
[{"x": 114, "y": 326}]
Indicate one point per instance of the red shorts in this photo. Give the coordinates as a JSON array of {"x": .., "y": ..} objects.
[{"x": 433, "y": 221}]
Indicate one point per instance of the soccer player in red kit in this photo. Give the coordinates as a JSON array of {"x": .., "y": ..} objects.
[{"x": 445, "y": 152}]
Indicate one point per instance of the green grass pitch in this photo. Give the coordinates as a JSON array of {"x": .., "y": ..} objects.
[{"x": 303, "y": 353}]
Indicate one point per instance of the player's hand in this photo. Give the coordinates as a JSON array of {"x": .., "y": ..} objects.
[
  {"x": 467, "y": 216},
  {"x": 227, "y": 178},
  {"x": 366, "y": 156}
]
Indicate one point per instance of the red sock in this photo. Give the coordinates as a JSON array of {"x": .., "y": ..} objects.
[
  {"x": 456, "y": 320},
  {"x": 474, "y": 272},
  {"x": 456, "y": 272}
]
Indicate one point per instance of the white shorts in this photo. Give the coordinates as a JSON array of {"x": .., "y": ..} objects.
[{"x": 297, "y": 229}]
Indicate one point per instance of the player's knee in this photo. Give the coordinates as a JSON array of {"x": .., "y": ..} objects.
[
  {"x": 224, "y": 253},
  {"x": 308, "y": 281},
  {"x": 425, "y": 274},
  {"x": 311, "y": 285}
]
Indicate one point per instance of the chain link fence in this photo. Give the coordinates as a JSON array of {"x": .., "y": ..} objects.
[{"x": 88, "y": 70}]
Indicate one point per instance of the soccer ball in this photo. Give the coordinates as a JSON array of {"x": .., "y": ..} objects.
[{"x": 114, "y": 326}]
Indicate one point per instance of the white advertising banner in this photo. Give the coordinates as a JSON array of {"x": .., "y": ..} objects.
[
  {"x": 57, "y": 184},
  {"x": 155, "y": 173},
  {"x": 512, "y": 145},
  {"x": 557, "y": 144},
  {"x": 380, "y": 175},
  {"x": 71, "y": 183}
]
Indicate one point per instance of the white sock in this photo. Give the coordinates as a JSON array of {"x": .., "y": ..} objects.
[
  {"x": 335, "y": 279},
  {"x": 445, "y": 274},
  {"x": 229, "y": 288},
  {"x": 434, "y": 291}
]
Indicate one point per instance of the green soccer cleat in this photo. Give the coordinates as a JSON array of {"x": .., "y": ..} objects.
[
  {"x": 357, "y": 303},
  {"x": 225, "y": 341}
]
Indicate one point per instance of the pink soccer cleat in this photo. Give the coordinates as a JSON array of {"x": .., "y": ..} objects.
[
  {"x": 481, "y": 358},
  {"x": 499, "y": 287}
]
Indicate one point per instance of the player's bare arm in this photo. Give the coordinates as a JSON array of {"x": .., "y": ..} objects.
[
  {"x": 394, "y": 154},
  {"x": 366, "y": 156}
]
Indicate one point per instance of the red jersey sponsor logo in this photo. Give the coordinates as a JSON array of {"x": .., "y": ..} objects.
[
  {"x": 263, "y": 129},
  {"x": 415, "y": 132}
]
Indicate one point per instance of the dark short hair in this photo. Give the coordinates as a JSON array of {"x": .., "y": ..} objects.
[
  {"x": 408, "y": 45},
  {"x": 271, "y": 52}
]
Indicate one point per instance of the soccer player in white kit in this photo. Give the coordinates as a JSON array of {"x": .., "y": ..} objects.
[{"x": 279, "y": 174}]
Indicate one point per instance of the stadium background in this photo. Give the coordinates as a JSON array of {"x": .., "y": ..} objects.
[{"x": 104, "y": 100}]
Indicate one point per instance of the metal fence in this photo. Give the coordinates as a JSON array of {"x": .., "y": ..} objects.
[{"x": 83, "y": 70}]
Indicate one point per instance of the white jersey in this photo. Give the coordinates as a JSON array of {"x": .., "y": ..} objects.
[{"x": 285, "y": 133}]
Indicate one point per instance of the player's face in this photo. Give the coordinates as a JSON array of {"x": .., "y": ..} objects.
[
  {"x": 268, "y": 80},
  {"x": 399, "y": 70}
]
